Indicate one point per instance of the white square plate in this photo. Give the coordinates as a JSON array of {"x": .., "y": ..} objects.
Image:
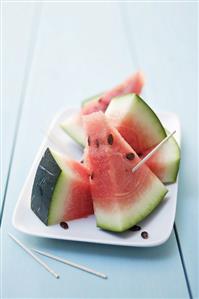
[{"x": 159, "y": 224}]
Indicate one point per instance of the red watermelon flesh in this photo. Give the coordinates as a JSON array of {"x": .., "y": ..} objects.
[
  {"x": 79, "y": 201},
  {"x": 121, "y": 198},
  {"x": 133, "y": 84}
]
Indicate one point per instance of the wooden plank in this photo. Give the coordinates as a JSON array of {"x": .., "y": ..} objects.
[
  {"x": 164, "y": 38},
  {"x": 81, "y": 50},
  {"x": 16, "y": 38}
]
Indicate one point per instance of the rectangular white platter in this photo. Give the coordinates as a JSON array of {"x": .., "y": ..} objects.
[{"x": 158, "y": 225}]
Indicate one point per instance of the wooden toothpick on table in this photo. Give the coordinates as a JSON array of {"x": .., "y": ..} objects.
[
  {"x": 153, "y": 152},
  {"x": 34, "y": 256},
  {"x": 67, "y": 262}
]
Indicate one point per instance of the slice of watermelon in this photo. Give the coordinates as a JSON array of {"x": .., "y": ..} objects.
[
  {"x": 61, "y": 189},
  {"x": 136, "y": 121},
  {"x": 74, "y": 127},
  {"x": 121, "y": 198},
  {"x": 166, "y": 161},
  {"x": 133, "y": 84}
]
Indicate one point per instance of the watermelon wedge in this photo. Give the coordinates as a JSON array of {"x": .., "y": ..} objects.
[
  {"x": 61, "y": 189},
  {"x": 74, "y": 126},
  {"x": 136, "y": 122},
  {"x": 121, "y": 198},
  {"x": 133, "y": 84},
  {"x": 165, "y": 162}
]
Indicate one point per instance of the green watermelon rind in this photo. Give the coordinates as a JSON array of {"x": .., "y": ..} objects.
[
  {"x": 154, "y": 116},
  {"x": 174, "y": 169},
  {"x": 58, "y": 201},
  {"x": 74, "y": 131},
  {"x": 174, "y": 172},
  {"x": 133, "y": 219},
  {"x": 91, "y": 99},
  {"x": 62, "y": 188}
]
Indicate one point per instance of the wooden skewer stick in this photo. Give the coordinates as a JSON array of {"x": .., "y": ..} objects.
[
  {"x": 34, "y": 256},
  {"x": 153, "y": 151},
  {"x": 67, "y": 262}
]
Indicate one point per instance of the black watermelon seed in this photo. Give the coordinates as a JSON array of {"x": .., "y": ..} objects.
[
  {"x": 130, "y": 156},
  {"x": 110, "y": 139},
  {"x": 144, "y": 235},
  {"x": 82, "y": 161},
  {"x": 64, "y": 225},
  {"x": 89, "y": 141},
  {"x": 135, "y": 228},
  {"x": 100, "y": 100},
  {"x": 97, "y": 142},
  {"x": 92, "y": 175}
]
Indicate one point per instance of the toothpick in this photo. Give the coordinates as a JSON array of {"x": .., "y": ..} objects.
[
  {"x": 67, "y": 262},
  {"x": 34, "y": 256},
  {"x": 153, "y": 151}
]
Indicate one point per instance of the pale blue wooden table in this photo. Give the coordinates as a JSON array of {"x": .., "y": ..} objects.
[{"x": 55, "y": 55}]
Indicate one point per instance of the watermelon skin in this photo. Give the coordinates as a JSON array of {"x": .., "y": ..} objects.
[
  {"x": 61, "y": 190},
  {"x": 133, "y": 84},
  {"x": 165, "y": 162},
  {"x": 136, "y": 122},
  {"x": 121, "y": 198},
  {"x": 47, "y": 174}
]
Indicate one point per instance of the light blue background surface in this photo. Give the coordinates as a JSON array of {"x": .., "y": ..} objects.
[{"x": 54, "y": 55}]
